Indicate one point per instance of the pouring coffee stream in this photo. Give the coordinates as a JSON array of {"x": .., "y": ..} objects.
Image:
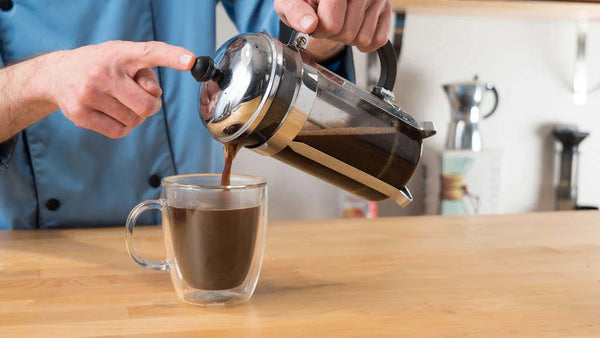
[
  {"x": 230, "y": 150},
  {"x": 277, "y": 101}
]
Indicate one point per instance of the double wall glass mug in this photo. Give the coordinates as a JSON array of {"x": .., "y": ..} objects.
[{"x": 214, "y": 236}]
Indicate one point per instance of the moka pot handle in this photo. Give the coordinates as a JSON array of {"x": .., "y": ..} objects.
[{"x": 490, "y": 87}]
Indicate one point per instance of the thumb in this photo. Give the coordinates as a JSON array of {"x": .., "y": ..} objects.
[{"x": 298, "y": 14}]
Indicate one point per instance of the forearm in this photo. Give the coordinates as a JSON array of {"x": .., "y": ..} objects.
[{"x": 22, "y": 96}]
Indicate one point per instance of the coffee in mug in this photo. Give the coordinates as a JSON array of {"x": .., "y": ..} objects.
[{"x": 214, "y": 236}]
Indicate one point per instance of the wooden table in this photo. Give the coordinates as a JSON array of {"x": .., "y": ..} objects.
[{"x": 523, "y": 275}]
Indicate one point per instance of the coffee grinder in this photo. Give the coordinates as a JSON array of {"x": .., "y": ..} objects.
[{"x": 568, "y": 138}]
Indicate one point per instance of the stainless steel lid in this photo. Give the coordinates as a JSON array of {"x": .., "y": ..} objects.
[{"x": 239, "y": 85}]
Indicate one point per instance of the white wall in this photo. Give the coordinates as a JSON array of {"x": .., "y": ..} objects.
[{"x": 531, "y": 63}]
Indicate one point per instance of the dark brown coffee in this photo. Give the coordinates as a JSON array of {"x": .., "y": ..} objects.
[
  {"x": 229, "y": 152},
  {"x": 381, "y": 152},
  {"x": 213, "y": 247}
]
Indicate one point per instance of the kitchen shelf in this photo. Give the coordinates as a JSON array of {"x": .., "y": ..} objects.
[{"x": 567, "y": 10}]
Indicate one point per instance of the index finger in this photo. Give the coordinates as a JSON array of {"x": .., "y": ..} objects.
[
  {"x": 159, "y": 54},
  {"x": 331, "y": 15}
]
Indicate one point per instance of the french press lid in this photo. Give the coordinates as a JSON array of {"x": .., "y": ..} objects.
[{"x": 239, "y": 84}]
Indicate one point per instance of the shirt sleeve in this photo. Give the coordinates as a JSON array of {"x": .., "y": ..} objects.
[
  {"x": 253, "y": 15},
  {"x": 6, "y": 150}
]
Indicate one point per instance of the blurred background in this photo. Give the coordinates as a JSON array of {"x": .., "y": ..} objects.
[{"x": 546, "y": 70}]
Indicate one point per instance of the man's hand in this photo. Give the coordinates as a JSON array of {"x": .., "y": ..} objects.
[
  {"x": 362, "y": 23},
  {"x": 111, "y": 87}
]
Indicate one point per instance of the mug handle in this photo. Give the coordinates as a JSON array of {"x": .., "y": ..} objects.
[{"x": 131, "y": 219}]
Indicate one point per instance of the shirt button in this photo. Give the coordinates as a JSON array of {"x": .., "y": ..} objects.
[
  {"x": 6, "y": 5},
  {"x": 154, "y": 181},
  {"x": 52, "y": 204}
]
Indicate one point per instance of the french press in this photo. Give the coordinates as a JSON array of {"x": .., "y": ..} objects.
[{"x": 276, "y": 100}]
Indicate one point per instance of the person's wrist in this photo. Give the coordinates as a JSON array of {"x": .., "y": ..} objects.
[
  {"x": 324, "y": 50},
  {"x": 40, "y": 79}
]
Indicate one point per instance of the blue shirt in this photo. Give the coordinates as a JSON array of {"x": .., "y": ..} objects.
[{"x": 55, "y": 174}]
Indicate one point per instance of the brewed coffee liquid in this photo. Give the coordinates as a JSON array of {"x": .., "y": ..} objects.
[
  {"x": 213, "y": 247},
  {"x": 381, "y": 152},
  {"x": 229, "y": 152}
]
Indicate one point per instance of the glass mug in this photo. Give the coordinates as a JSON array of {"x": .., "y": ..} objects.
[{"x": 214, "y": 236}]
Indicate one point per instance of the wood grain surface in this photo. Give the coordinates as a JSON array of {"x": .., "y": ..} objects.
[{"x": 532, "y": 275}]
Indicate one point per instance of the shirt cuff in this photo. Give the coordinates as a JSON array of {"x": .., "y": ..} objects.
[{"x": 6, "y": 150}]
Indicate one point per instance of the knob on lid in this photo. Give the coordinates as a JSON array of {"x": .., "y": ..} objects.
[
  {"x": 205, "y": 69},
  {"x": 237, "y": 85}
]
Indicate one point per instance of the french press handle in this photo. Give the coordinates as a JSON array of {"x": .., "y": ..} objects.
[{"x": 387, "y": 59}]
